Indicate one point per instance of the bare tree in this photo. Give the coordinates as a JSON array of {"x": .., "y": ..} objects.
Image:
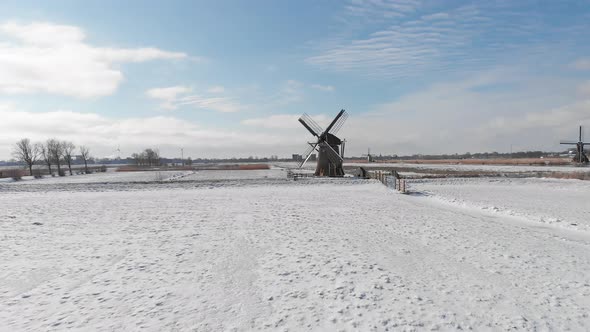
[
  {"x": 26, "y": 152},
  {"x": 85, "y": 153},
  {"x": 67, "y": 149},
  {"x": 149, "y": 157},
  {"x": 46, "y": 155},
  {"x": 153, "y": 157},
  {"x": 55, "y": 149},
  {"x": 136, "y": 158}
]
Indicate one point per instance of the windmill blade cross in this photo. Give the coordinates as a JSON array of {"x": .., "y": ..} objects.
[
  {"x": 336, "y": 128},
  {"x": 308, "y": 152},
  {"x": 334, "y": 121},
  {"x": 310, "y": 125},
  {"x": 333, "y": 156}
]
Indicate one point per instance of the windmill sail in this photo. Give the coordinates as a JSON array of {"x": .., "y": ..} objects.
[
  {"x": 338, "y": 116},
  {"x": 310, "y": 125},
  {"x": 334, "y": 130},
  {"x": 329, "y": 147},
  {"x": 333, "y": 156},
  {"x": 580, "y": 156},
  {"x": 307, "y": 154}
]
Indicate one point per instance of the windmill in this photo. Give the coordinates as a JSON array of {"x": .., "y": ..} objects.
[
  {"x": 580, "y": 156},
  {"x": 329, "y": 147},
  {"x": 369, "y": 156}
]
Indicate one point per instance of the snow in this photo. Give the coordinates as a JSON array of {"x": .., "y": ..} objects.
[
  {"x": 108, "y": 177},
  {"x": 257, "y": 251},
  {"x": 484, "y": 168},
  {"x": 561, "y": 203}
]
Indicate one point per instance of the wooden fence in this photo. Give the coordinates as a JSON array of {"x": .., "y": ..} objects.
[{"x": 389, "y": 179}]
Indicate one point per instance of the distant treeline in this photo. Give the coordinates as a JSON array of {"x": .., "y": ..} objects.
[
  {"x": 479, "y": 155},
  {"x": 151, "y": 157},
  {"x": 52, "y": 152}
]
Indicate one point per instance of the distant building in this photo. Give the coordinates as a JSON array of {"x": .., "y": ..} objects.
[
  {"x": 297, "y": 157},
  {"x": 313, "y": 157}
]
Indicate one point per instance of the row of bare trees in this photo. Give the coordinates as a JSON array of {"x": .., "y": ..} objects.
[
  {"x": 51, "y": 152},
  {"x": 148, "y": 157}
]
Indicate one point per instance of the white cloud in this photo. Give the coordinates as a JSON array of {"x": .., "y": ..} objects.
[
  {"x": 472, "y": 115},
  {"x": 216, "y": 89},
  {"x": 291, "y": 91},
  {"x": 103, "y": 134},
  {"x": 56, "y": 59},
  {"x": 487, "y": 112},
  {"x": 584, "y": 90},
  {"x": 176, "y": 96},
  {"x": 271, "y": 68},
  {"x": 436, "y": 16},
  {"x": 381, "y": 9},
  {"x": 582, "y": 64},
  {"x": 419, "y": 38},
  {"x": 219, "y": 104},
  {"x": 282, "y": 121},
  {"x": 406, "y": 47},
  {"x": 7, "y": 106},
  {"x": 169, "y": 93},
  {"x": 327, "y": 88},
  {"x": 563, "y": 117}
]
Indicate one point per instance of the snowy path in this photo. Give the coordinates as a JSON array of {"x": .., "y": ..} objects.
[{"x": 281, "y": 257}]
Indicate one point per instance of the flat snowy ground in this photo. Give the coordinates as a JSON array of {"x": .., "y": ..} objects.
[
  {"x": 489, "y": 168},
  {"x": 267, "y": 253}
]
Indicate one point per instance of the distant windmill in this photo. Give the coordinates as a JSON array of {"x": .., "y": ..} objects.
[
  {"x": 330, "y": 148},
  {"x": 580, "y": 156},
  {"x": 369, "y": 156}
]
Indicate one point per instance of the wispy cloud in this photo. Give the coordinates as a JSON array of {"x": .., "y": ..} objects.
[
  {"x": 168, "y": 94},
  {"x": 487, "y": 111},
  {"x": 7, "y": 106},
  {"x": 282, "y": 121},
  {"x": 289, "y": 92},
  {"x": 173, "y": 97},
  {"x": 582, "y": 64},
  {"x": 424, "y": 38},
  {"x": 406, "y": 47},
  {"x": 327, "y": 88},
  {"x": 216, "y": 89},
  {"x": 381, "y": 9},
  {"x": 56, "y": 59},
  {"x": 103, "y": 134}
]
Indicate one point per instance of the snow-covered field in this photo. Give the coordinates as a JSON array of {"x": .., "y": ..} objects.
[
  {"x": 484, "y": 168},
  {"x": 104, "y": 177},
  {"x": 247, "y": 251},
  {"x": 560, "y": 203}
]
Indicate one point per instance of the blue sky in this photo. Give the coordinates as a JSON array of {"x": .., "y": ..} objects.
[{"x": 230, "y": 78}]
